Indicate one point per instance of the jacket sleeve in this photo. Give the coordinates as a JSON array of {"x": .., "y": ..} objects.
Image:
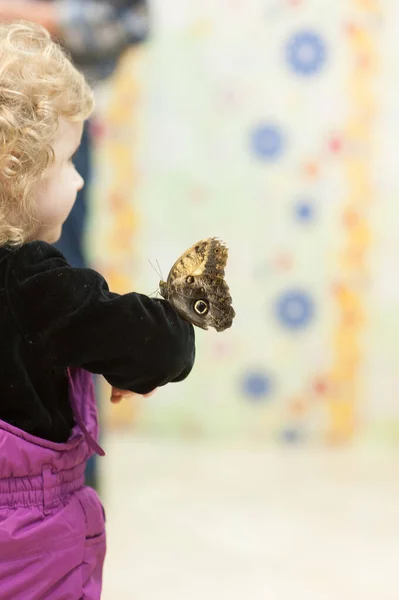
[{"x": 71, "y": 318}]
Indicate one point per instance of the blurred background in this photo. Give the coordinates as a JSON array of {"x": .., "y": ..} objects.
[{"x": 272, "y": 472}]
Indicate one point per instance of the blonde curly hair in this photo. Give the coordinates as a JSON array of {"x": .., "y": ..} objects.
[{"x": 38, "y": 85}]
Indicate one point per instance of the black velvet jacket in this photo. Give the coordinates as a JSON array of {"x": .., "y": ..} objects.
[{"x": 53, "y": 316}]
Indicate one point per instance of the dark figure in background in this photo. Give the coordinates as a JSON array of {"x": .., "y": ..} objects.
[{"x": 95, "y": 33}]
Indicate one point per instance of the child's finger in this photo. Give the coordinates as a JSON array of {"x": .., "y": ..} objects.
[
  {"x": 117, "y": 395},
  {"x": 116, "y": 399}
]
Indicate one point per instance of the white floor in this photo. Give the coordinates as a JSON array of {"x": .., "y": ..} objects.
[{"x": 189, "y": 521}]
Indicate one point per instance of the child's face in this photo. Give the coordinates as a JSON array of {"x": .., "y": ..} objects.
[{"x": 56, "y": 193}]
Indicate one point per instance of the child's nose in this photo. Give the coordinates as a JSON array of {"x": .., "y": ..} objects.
[{"x": 80, "y": 182}]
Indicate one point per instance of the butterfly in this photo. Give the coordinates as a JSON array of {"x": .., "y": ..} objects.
[{"x": 196, "y": 288}]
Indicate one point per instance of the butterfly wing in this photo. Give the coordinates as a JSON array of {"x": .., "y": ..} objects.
[{"x": 196, "y": 287}]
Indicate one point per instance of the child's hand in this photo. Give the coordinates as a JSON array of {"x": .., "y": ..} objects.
[{"x": 117, "y": 395}]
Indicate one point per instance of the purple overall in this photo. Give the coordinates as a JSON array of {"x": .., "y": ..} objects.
[{"x": 52, "y": 536}]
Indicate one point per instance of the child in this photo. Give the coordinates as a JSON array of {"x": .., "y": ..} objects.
[{"x": 57, "y": 324}]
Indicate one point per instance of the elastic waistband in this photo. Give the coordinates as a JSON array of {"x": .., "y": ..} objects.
[{"x": 47, "y": 490}]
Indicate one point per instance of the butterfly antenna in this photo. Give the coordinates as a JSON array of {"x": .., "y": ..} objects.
[
  {"x": 157, "y": 272},
  {"x": 160, "y": 270}
]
